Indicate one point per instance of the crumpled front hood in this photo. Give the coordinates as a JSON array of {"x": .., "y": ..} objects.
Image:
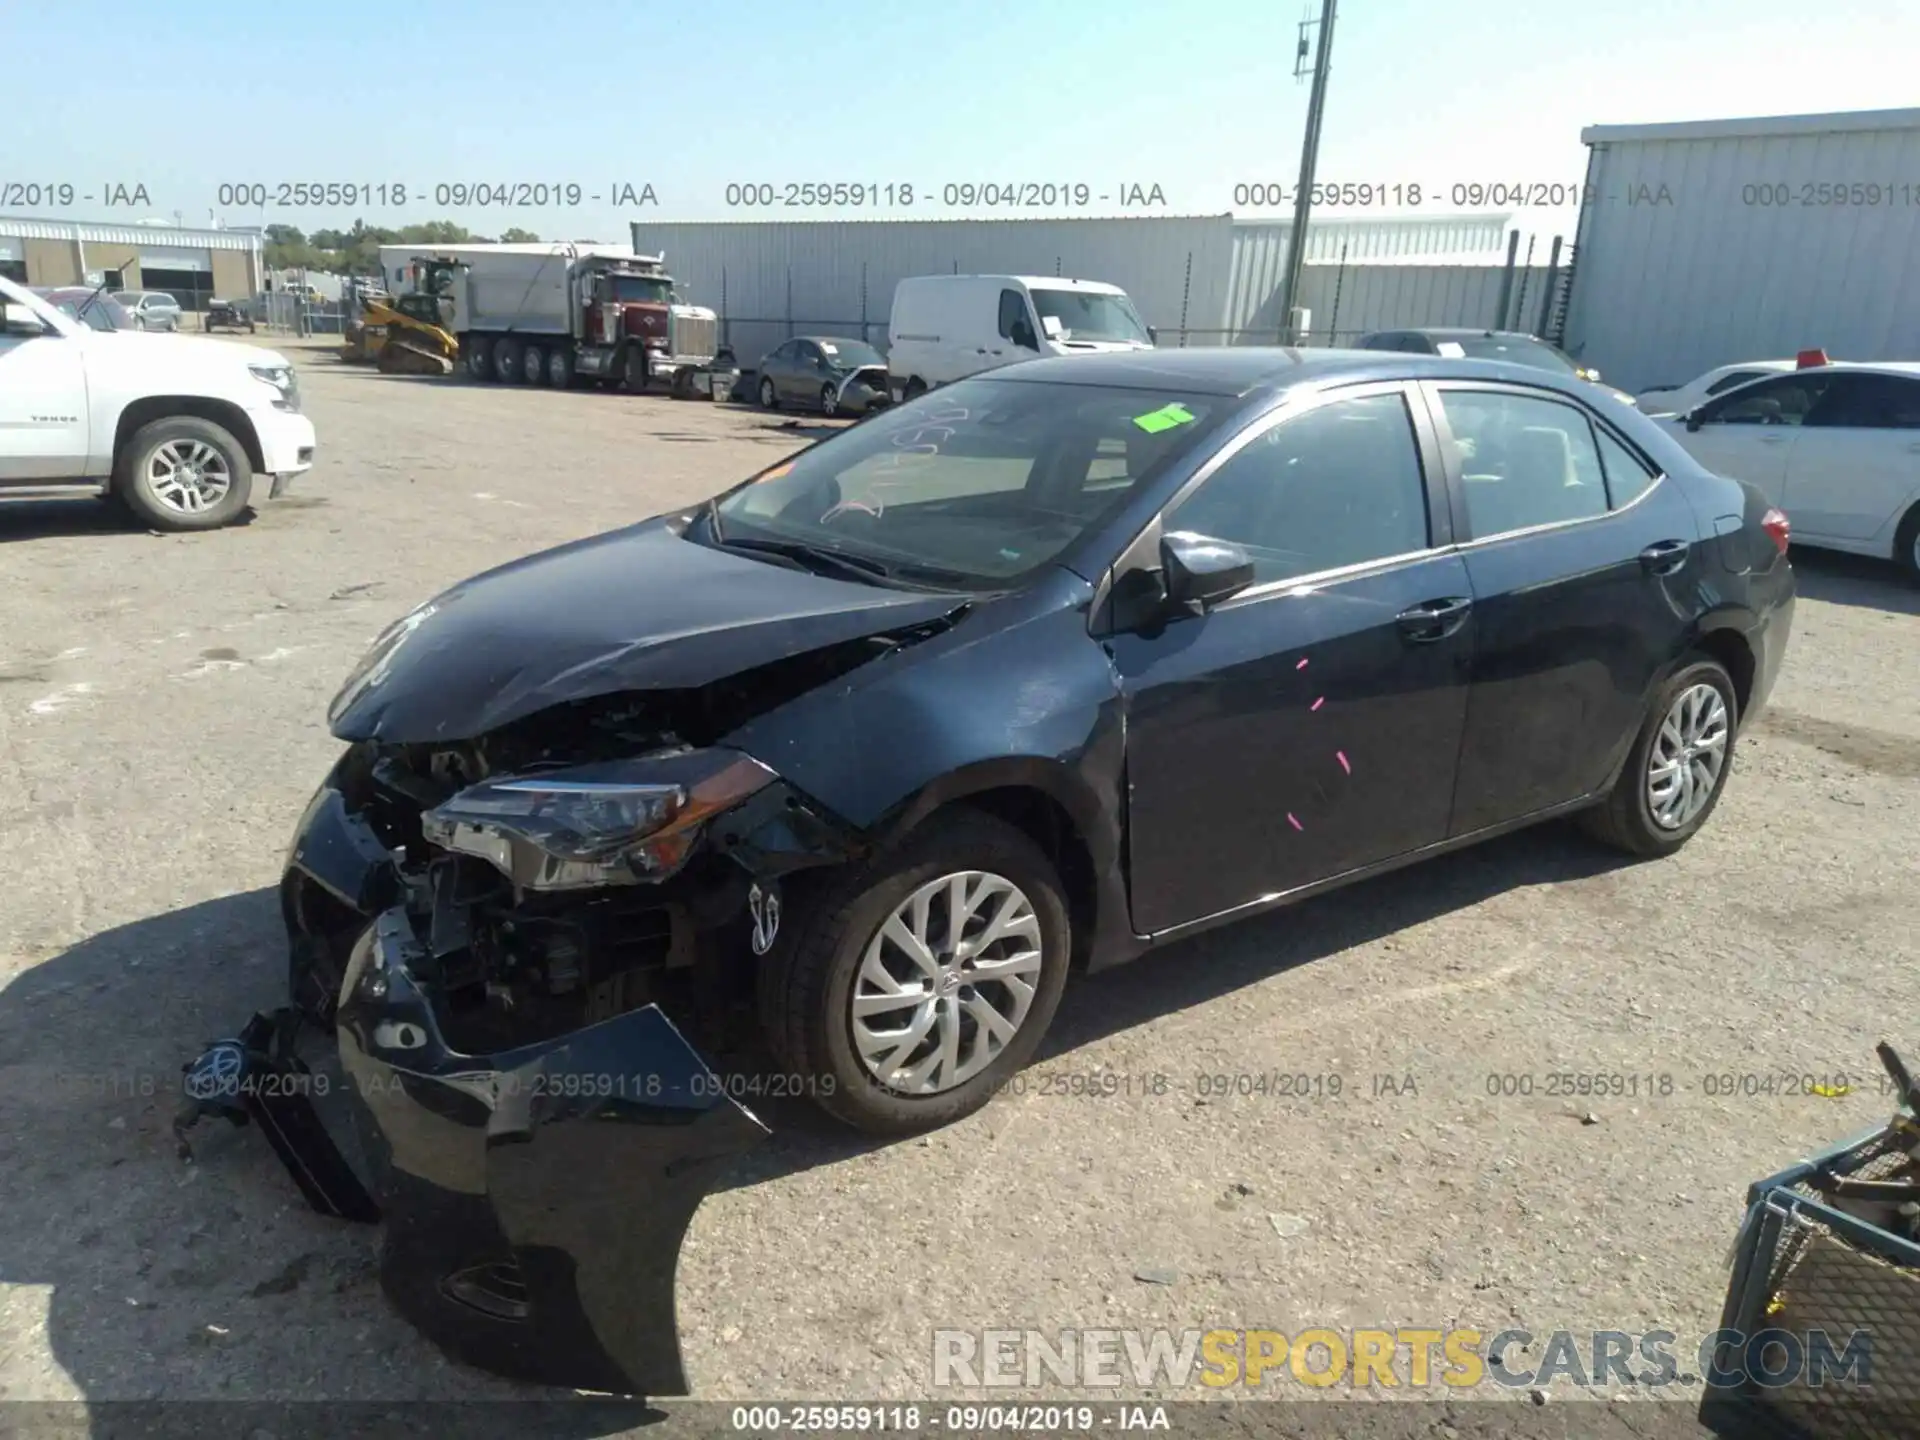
[{"x": 635, "y": 609}]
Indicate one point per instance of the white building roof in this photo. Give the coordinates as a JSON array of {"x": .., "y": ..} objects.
[
  {"x": 176, "y": 237},
  {"x": 1756, "y": 126}
]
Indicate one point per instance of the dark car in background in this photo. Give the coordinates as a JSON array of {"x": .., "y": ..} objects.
[
  {"x": 93, "y": 308},
  {"x": 1030, "y": 675},
  {"x": 828, "y": 373},
  {"x": 230, "y": 315},
  {"x": 1512, "y": 346}
]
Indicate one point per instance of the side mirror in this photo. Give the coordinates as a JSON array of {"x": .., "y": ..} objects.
[
  {"x": 22, "y": 321},
  {"x": 1153, "y": 336},
  {"x": 1202, "y": 571}
]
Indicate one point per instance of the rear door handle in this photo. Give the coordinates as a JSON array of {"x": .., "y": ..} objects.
[
  {"x": 1432, "y": 620},
  {"x": 1665, "y": 557}
]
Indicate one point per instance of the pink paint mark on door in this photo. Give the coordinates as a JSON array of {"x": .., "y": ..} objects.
[
  {"x": 1341, "y": 756},
  {"x": 1303, "y": 663},
  {"x": 1293, "y": 822},
  {"x": 1318, "y": 703}
]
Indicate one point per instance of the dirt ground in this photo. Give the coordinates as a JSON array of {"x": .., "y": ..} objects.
[{"x": 161, "y": 725}]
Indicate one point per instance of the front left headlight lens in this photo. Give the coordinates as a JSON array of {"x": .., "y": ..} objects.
[
  {"x": 595, "y": 825},
  {"x": 281, "y": 378}
]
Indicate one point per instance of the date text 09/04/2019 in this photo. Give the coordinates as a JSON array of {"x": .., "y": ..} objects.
[
  {"x": 952, "y": 195},
  {"x": 954, "y": 1419},
  {"x": 390, "y": 194}
]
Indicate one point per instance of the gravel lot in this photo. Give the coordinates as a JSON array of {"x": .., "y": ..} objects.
[{"x": 161, "y": 724}]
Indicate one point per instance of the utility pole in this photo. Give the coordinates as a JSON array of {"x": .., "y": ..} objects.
[{"x": 1309, "y": 157}]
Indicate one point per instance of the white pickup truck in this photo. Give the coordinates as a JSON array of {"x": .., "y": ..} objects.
[{"x": 175, "y": 427}]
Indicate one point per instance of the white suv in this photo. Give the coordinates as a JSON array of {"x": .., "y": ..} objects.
[{"x": 174, "y": 426}]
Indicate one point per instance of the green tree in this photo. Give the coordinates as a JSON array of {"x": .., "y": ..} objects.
[{"x": 514, "y": 235}]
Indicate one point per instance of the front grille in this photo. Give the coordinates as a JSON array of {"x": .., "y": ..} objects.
[{"x": 695, "y": 337}]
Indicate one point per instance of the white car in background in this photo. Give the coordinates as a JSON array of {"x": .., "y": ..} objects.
[
  {"x": 175, "y": 427},
  {"x": 1836, "y": 446},
  {"x": 1679, "y": 399}
]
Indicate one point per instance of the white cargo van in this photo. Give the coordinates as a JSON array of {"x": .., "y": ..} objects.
[{"x": 946, "y": 327}]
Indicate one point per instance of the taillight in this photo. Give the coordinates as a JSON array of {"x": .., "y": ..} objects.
[{"x": 1776, "y": 524}]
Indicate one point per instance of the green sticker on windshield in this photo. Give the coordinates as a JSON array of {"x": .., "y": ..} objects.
[{"x": 1165, "y": 418}]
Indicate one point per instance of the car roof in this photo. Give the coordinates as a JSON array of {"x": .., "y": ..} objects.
[
  {"x": 1461, "y": 332},
  {"x": 835, "y": 339},
  {"x": 1036, "y": 282},
  {"x": 1239, "y": 370}
]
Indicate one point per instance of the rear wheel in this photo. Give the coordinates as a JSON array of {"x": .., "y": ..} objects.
[
  {"x": 183, "y": 473},
  {"x": 829, "y": 401},
  {"x": 908, "y": 988},
  {"x": 1906, "y": 545},
  {"x": 1677, "y": 768},
  {"x": 560, "y": 367},
  {"x": 506, "y": 360},
  {"x": 479, "y": 357},
  {"x": 916, "y": 387}
]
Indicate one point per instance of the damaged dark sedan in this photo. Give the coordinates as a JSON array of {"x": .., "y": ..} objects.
[{"x": 1028, "y": 675}]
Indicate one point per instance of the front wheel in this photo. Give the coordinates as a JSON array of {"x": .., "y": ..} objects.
[
  {"x": 909, "y": 988},
  {"x": 533, "y": 366},
  {"x": 183, "y": 473},
  {"x": 1678, "y": 767},
  {"x": 769, "y": 394},
  {"x": 829, "y": 401},
  {"x": 633, "y": 372},
  {"x": 560, "y": 367}
]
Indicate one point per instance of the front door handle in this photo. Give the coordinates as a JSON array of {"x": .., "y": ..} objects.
[
  {"x": 1665, "y": 557},
  {"x": 1432, "y": 620}
]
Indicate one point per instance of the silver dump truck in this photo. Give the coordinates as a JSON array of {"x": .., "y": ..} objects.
[{"x": 554, "y": 314}]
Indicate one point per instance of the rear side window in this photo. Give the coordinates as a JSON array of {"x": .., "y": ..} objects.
[
  {"x": 1785, "y": 401},
  {"x": 1869, "y": 402},
  {"x": 1738, "y": 377},
  {"x": 1524, "y": 461},
  {"x": 1339, "y": 485},
  {"x": 1627, "y": 476}
]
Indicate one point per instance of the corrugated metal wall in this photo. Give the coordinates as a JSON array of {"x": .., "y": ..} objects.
[
  {"x": 1348, "y": 301},
  {"x": 1743, "y": 257},
  {"x": 1199, "y": 280},
  {"x": 772, "y": 280}
]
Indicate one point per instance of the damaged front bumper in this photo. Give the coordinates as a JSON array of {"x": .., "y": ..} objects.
[{"x": 534, "y": 1191}]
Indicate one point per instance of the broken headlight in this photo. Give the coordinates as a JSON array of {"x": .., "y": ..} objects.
[{"x": 592, "y": 825}]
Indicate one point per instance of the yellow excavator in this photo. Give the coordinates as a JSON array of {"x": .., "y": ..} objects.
[{"x": 403, "y": 335}]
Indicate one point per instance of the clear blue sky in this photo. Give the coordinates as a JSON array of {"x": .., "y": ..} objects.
[{"x": 1189, "y": 95}]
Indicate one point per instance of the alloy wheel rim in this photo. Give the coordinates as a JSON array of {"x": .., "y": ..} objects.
[
  {"x": 946, "y": 983},
  {"x": 766, "y": 393},
  {"x": 828, "y": 402},
  {"x": 189, "y": 477},
  {"x": 1689, "y": 756}
]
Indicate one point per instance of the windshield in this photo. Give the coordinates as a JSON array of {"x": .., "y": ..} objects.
[
  {"x": 101, "y": 311},
  {"x": 1515, "y": 349},
  {"x": 641, "y": 288},
  {"x": 1089, "y": 315},
  {"x": 850, "y": 354},
  {"x": 976, "y": 485}
]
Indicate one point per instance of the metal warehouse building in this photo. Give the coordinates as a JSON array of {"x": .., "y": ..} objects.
[
  {"x": 192, "y": 265},
  {"x": 1199, "y": 280},
  {"x": 1708, "y": 242}
]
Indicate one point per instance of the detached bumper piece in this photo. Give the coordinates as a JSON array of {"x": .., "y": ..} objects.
[
  {"x": 534, "y": 1200},
  {"x": 255, "y": 1076}
]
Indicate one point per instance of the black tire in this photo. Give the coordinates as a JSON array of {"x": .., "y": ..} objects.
[
  {"x": 635, "y": 375},
  {"x": 479, "y": 357},
  {"x": 506, "y": 360},
  {"x": 1906, "y": 545},
  {"x": 132, "y": 483},
  {"x": 1624, "y": 820},
  {"x": 769, "y": 394},
  {"x": 916, "y": 387},
  {"x": 533, "y": 365},
  {"x": 806, "y": 984},
  {"x": 560, "y": 367}
]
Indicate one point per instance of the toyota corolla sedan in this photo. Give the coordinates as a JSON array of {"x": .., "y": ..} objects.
[{"x": 1031, "y": 675}]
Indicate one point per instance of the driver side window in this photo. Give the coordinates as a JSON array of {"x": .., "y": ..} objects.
[
  {"x": 1014, "y": 324},
  {"x": 1785, "y": 401}
]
